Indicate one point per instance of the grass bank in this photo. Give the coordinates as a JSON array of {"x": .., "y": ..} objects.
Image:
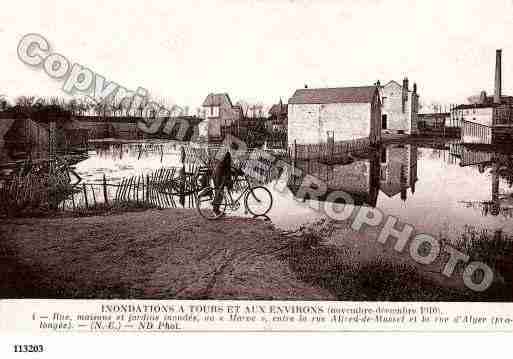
[
  {"x": 357, "y": 268},
  {"x": 154, "y": 254},
  {"x": 175, "y": 254}
]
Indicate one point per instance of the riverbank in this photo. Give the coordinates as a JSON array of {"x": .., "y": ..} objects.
[
  {"x": 175, "y": 254},
  {"x": 157, "y": 254}
]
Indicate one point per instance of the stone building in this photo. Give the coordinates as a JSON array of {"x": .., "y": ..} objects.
[
  {"x": 399, "y": 108},
  {"x": 334, "y": 114},
  {"x": 219, "y": 113}
]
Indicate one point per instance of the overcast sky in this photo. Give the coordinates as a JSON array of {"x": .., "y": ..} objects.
[{"x": 263, "y": 50}]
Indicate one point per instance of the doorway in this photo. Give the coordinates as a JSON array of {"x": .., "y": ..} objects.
[{"x": 384, "y": 122}]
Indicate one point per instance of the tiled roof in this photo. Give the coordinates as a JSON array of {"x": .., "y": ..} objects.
[
  {"x": 278, "y": 109},
  {"x": 217, "y": 99},
  {"x": 334, "y": 95}
]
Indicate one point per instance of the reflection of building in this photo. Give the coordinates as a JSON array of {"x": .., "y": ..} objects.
[
  {"x": 500, "y": 167},
  {"x": 334, "y": 114},
  {"x": 400, "y": 108},
  {"x": 475, "y": 158},
  {"x": 359, "y": 179},
  {"x": 398, "y": 170},
  {"x": 501, "y": 202}
]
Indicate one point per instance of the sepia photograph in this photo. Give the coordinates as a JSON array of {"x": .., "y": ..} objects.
[{"x": 256, "y": 150}]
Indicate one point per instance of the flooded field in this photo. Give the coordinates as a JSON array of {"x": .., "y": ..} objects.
[{"x": 443, "y": 191}]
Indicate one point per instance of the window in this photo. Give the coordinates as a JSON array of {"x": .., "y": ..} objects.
[
  {"x": 330, "y": 136},
  {"x": 213, "y": 111},
  {"x": 384, "y": 122},
  {"x": 384, "y": 155},
  {"x": 383, "y": 173}
]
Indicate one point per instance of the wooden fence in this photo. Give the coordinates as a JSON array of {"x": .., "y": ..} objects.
[
  {"x": 161, "y": 189},
  {"x": 328, "y": 152}
]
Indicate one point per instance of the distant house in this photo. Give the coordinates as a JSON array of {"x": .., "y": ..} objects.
[
  {"x": 399, "y": 108},
  {"x": 485, "y": 111},
  {"x": 334, "y": 114},
  {"x": 488, "y": 119},
  {"x": 436, "y": 120},
  {"x": 219, "y": 112},
  {"x": 478, "y": 119},
  {"x": 278, "y": 117}
]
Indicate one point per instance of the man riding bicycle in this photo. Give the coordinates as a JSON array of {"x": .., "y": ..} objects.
[{"x": 223, "y": 177}]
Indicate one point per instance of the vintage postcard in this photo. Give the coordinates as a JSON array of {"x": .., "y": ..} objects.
[{"x": 256, "y": 165}]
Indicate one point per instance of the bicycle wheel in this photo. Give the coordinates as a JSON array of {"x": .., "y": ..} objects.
[
  {"x": 205, "y": 206},
  {"x": 258, "y": 201},
  {"x": 202, "y": 180}
]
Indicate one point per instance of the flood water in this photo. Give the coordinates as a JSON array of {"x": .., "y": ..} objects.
[{"x": 439, "y": 189}]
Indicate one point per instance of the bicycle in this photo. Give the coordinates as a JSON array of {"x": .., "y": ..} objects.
[{"x": 258, "y": 200}]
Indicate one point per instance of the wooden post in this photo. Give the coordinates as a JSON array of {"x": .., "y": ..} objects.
[
  {"x": 147, "y": 188},
  {"x": 105, "y": 197},
  {"x": 138, "y": 185},
  {"x": 94, "y": 196},
  {"x": 130, "y": 180},
  {"x": 295, "y": 153},
  {"x": 116, "y": 194},
  {"x": 73, "y": 200},
  {"x": 123, "y": 189},
  {"x": 85, "y": 195}
]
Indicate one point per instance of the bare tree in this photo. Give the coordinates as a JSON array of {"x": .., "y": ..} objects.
[
  {"x": 25, "y": 104},
  {"x": 244, "y": 107},
  {"x": 4, "y": 103}
]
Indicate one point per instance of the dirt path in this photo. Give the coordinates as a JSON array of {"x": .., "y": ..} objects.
[{"x": 154, "y": 254}]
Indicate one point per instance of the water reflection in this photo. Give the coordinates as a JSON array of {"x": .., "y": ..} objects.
[
  {"x": 499, "y": 167},
  {"x": 359, "y": 179},
  {"x": 437, "y": 187},
  {"x": 398, "y": 170},
  {"x": 391, "y": 170}
]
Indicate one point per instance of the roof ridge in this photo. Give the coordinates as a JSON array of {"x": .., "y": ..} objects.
[
  {"x": 336, "y": 88},
  {"x": 353, "y": 94}
]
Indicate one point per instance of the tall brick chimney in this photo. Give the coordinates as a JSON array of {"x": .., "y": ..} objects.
[
  {"x": 405, "y": 93},
  {"x": 497, "y": 93}
]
